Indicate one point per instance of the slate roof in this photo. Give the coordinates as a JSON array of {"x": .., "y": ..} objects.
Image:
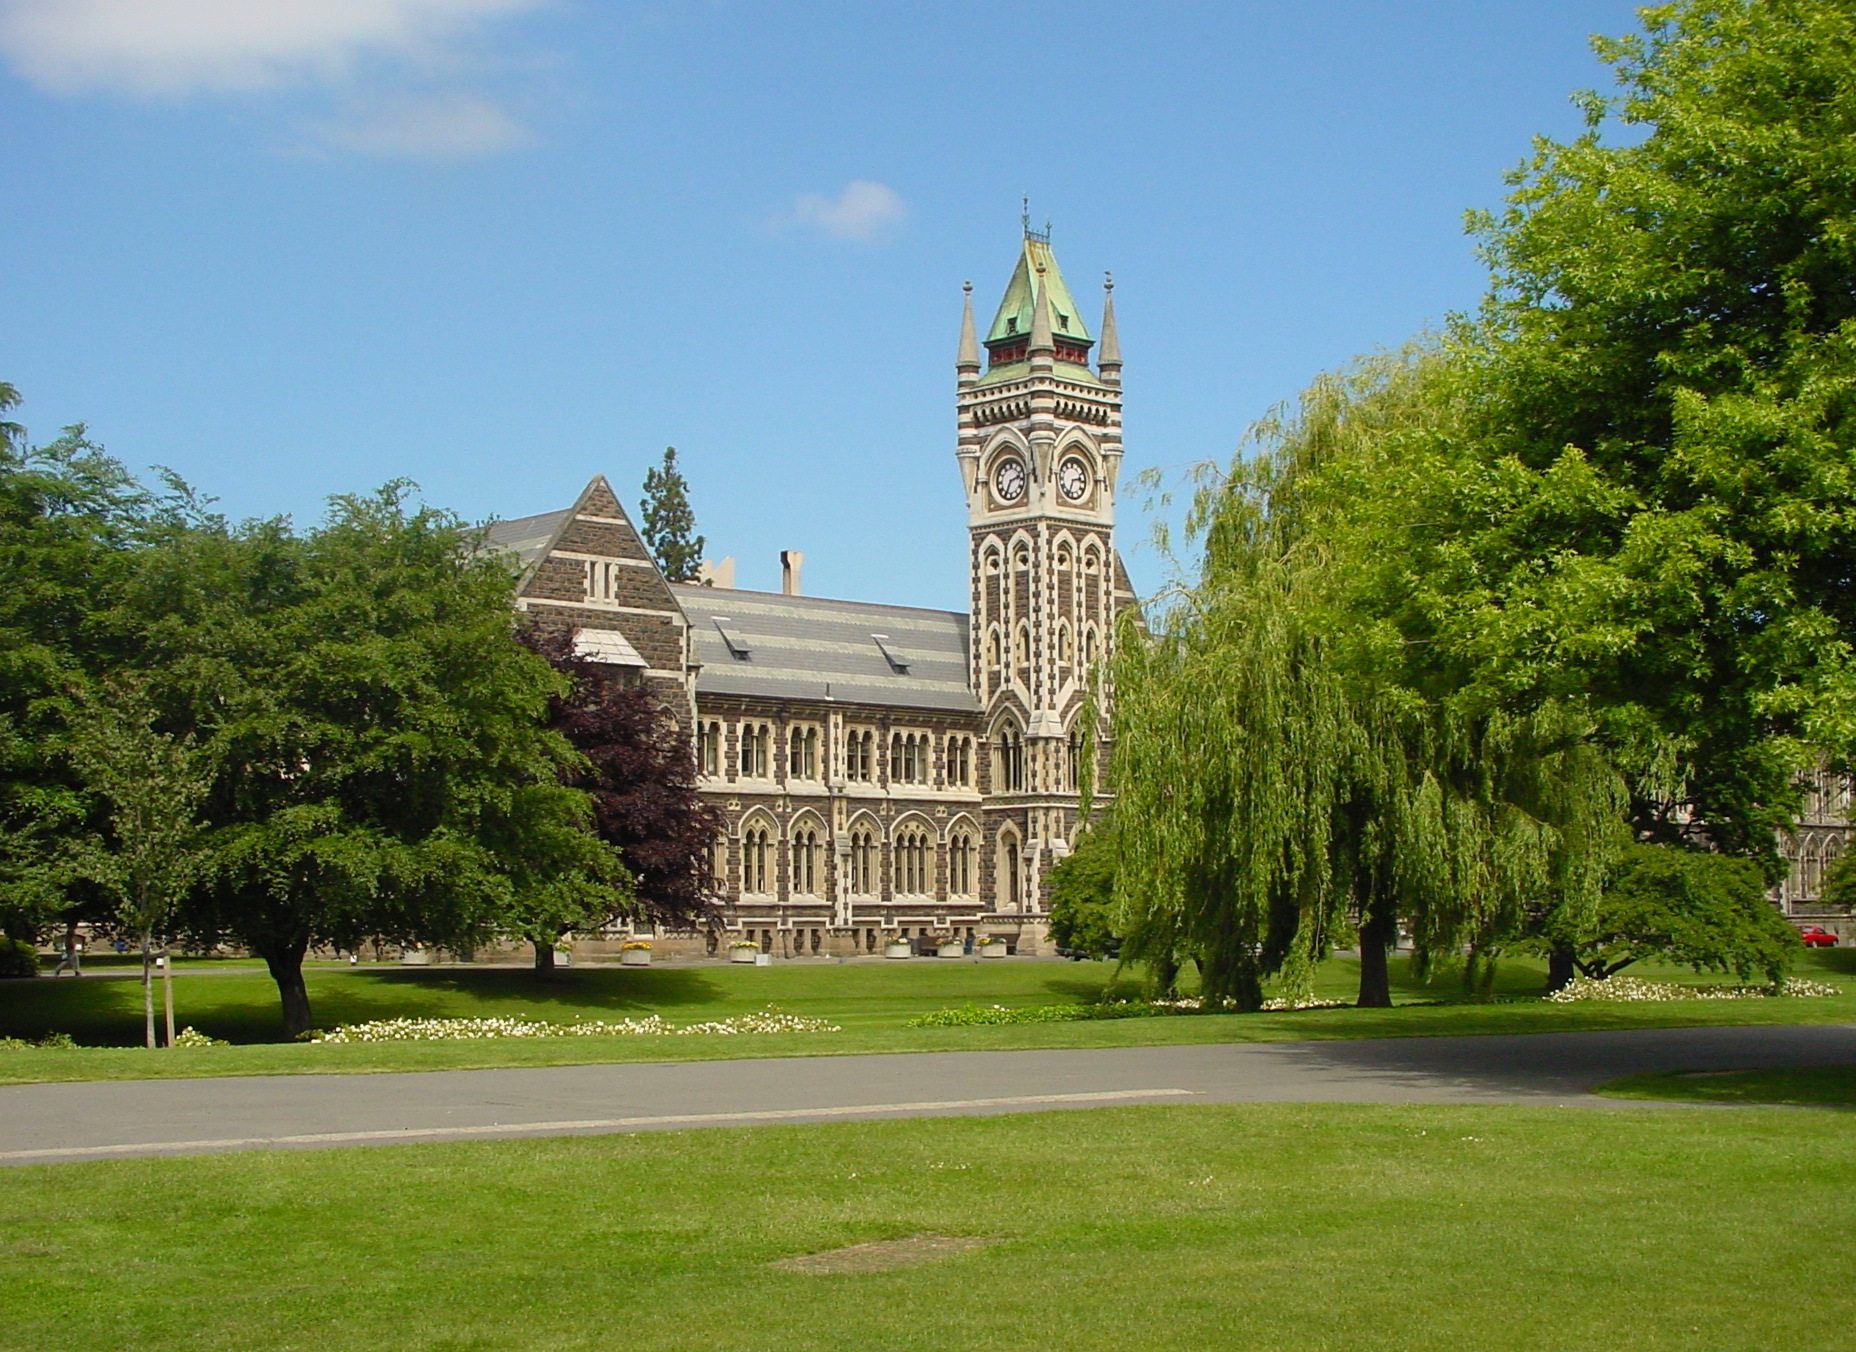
[
  {"x": 810, "y": 648},
  {"x": 528, "y": 537}
]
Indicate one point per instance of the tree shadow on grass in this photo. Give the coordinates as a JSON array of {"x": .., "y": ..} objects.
[
  {"x": 464, "y": 992},
  {"x": 102, "y": 1014}
]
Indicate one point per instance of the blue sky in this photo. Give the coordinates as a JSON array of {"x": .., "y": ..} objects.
[{"x": 293, "y": 248}]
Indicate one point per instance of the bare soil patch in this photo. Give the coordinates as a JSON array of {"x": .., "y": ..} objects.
[{"x": 885, "y": 1255}]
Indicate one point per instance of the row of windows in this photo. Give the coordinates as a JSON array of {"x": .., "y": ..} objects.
[
  {"x": 913, "y": 863},
  {"x": 1021, "y": 648},
  {"x": 910, "y": 754}
]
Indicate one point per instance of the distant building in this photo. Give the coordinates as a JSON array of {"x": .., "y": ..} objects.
[
  {"x": 1821, "y": 838},
  {"x": 887, "y": 771}
]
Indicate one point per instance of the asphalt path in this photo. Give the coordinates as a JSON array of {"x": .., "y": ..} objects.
[{"x": 50, "y": 1123}]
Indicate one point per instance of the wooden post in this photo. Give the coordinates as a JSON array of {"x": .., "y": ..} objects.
[{"x": 167, "y": 990}]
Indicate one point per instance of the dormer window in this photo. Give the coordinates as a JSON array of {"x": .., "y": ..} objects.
[{"x": 1011, "y": 325}]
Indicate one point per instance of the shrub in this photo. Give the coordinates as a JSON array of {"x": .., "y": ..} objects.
[{"x": 18, "y": 958}]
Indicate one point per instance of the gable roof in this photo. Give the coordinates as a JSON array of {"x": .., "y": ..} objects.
[{"x": 811, "y": 648}]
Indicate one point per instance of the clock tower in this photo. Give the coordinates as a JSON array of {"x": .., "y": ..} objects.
[{"x": 1039, "y": 453}]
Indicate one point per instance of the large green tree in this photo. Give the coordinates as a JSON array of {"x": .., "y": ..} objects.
[
  {"x": 1658, "y": 503},
  {"x": 383, "y": 765}
]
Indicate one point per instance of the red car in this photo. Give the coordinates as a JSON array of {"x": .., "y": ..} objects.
[{"x": 1815, "y": 937}]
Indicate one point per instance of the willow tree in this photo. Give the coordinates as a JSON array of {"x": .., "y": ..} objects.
[{"x": 1292, "y": 759}]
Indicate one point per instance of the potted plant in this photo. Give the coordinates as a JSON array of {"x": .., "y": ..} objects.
[
  {"x": 950, "y": 947},
  {"x": 635, "y": 953},
  {"x": 898, "y": 948},
  {"x": 992, "y": 946},
  {"x": 743, "y": 950}
]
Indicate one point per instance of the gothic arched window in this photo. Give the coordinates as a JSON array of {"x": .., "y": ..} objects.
[
  {"x": 804, "y": 870},
  {"x": 756, "y": 845},
  {"x": 863, "y": 862},
  {"x": 960, "y": 865},
  {"x": 1011, "y": 759},
  {"x": 912, "y": 861}
]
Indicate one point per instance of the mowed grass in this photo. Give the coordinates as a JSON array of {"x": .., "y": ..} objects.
[
  {"x": 1256, "y": 1227},
  {"x": 871, "y": 1001},
  {"x": 1800, "y": 1086}
]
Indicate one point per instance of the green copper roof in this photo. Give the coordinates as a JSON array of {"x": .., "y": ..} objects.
[
  {"x": 1018, "y": 370},
  {"x": 1014, "y": 316}
]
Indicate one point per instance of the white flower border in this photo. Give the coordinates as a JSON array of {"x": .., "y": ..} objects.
[
  {"x": 652, "y": 1025},
  {"x": 1636, "y": 988}
]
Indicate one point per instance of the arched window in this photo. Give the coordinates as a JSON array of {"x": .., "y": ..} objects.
[
  {"x": 804, "y": 868},
  {"x": 1014, "y": 876},
  {"x": 1011, "y": 759},
  {"x": 1063, "y": 645},
  {"x": 756, "y": 846},
  {"x": 960, "y": 865},
  {"x": 709, "y": 748},
  {"x": 863, "y": 863},
  {"x": 1089, "y": 646},
  {"x": 912, "y": 861},
  {"x": 1021, "y": 653}
]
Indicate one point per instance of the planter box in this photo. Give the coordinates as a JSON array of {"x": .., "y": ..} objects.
[
  {"x": 743, "y": 955},
  {"x": 955, "y": 949},
  {"x": 634, "y": 957},
  {"x": 898, "y": 948},
  {"x": 415, "y": 957},
  {"x": 992, "y": 950}
]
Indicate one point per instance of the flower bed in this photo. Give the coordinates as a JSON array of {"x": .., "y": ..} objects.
[
  {"x": 1636, "y": 988},
  {"x": 652, "y": 1025}
]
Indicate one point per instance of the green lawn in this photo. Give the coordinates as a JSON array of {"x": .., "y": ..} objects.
[
  {"x": 1803, "y": 1086},
  {"x": 871, "y": 1001},
  {"x": 1256, "y": 1227}
]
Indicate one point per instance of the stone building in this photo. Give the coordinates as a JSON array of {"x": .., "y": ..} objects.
[
  {"x": 1821, "y": 837},
  {"x": 889, "y": 771}
]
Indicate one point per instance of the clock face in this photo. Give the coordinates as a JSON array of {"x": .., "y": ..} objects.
[
  {"x": 1073, "y": 479},
  {"x": 1009, "y": 480}
]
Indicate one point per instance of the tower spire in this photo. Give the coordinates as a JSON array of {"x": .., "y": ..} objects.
[
  {"x": 1041, "y": 339},
  {"x": 967, "y": 359},
  {"x": 1108, "y": 358}
]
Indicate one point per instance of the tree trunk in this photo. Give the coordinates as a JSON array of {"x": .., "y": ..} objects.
[
  {"x": 148, "y": 989},
  {"x": 1376, "y": 933},
  {"x": 1562, "y": 966},
  {"x": 544, "y": 959},
  {"x": 286, "y": 966}
]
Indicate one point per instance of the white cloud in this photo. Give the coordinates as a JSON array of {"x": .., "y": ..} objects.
[
  {"x": 177, "y": 47},
  {"x": 863, "y": 210},
  {"x": 443, "y": 126}
]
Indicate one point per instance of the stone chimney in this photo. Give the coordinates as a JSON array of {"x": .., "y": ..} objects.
[{"x": 790, "y": 562}]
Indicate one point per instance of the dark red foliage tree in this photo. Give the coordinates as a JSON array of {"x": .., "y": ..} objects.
[{"x": 642, "y": 780}]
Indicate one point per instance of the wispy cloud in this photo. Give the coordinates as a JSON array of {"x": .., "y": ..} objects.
[
  {"x": 443, "y": 126},
  {"x": 864, "y": 210},
  {"x": 179, "y": 48}
]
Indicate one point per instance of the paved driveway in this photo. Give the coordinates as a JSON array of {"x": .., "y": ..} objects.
[{"x": 51, "y": 1122}]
